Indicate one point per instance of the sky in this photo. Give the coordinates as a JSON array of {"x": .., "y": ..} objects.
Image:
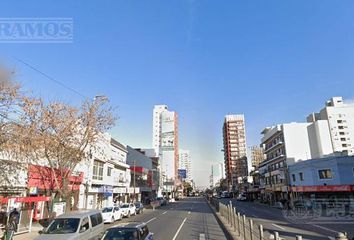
[{"x": 274, "y": 61}]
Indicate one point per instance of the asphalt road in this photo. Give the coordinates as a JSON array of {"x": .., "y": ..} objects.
[
  {"x": 190, "y": 219},
  {"x": 273, "y": 219}
]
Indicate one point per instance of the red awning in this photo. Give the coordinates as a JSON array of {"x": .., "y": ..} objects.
[
  {"x": 26, "y": 199},
  {"x": 331, "y": 188}
]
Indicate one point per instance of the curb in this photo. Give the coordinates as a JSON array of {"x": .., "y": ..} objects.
[{"x": 230, "y": 235}]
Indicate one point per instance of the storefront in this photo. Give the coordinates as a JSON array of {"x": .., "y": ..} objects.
[
  {"x": 43, "y": 182},
  {"x": 328, "y": 200}
]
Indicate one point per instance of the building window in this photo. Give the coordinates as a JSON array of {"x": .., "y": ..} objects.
[
  {"x": 294, "y": 177},
  {"x": 339, "y": 121},
  {"x": 301, "y": 176},
  {"x": 341, "y": 133},
  {"x": 109, "y": 171},
  {"x": 325, "y": 174},
  {"x": 342, "y": 139},
  {"x": 97, "y": 170}
]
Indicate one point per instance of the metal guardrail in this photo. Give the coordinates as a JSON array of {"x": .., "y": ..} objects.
[{"x": 245, "y": 228}]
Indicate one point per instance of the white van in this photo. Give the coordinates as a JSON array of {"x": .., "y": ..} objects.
[{"x": 87, "y": 224}]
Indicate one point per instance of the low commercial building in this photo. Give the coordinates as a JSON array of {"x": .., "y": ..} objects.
[
  {"x": 107, "y": 175},
  {"x": 325, "y": 178},
  {"x": 141, "y": 172}
]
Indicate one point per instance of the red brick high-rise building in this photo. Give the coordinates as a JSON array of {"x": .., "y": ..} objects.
[{"x": 235, "y": 150}]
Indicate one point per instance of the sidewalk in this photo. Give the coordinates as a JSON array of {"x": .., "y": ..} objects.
[{"x": 31, "y": 235}]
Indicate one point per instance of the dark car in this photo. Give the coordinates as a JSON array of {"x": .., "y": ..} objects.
[
  {"x": 128, "y": 231},
  {"x": 139, "y": 207},
  {"x": 163, "y": 201}
]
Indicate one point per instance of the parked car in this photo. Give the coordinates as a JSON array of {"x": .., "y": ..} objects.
[
  {"x": 75, "y": 225},
  {"x": 241, "y": 197},
  {"x": 112, "y": 214},
  {"x": 225, "y": 194},
  {"x": 128, "y": 231},
  {"x": 128, "y": 209},
  {"x": 139, "y": 207},
  {"x": 163, "y": 201}
]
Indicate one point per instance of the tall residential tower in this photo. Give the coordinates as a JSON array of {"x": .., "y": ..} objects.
[
  {"x": 165, "y": 143},
  {"x": 235, "y": 153},
  {"x": 185, "y": 163}
]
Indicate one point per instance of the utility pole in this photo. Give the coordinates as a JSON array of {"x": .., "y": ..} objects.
[{"x": 134, "y": 181}]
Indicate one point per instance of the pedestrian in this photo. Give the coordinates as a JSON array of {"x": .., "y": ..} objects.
[
  {"x": 15, "y": 214},
  {"x": 11, "y": 228}
]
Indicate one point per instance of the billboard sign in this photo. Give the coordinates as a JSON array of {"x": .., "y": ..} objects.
[
  {"x": 168, "y": 141},
  {"x": 182, "y": 173}
]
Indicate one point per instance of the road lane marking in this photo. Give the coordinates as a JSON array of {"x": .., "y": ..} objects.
[
  {"x": 255, "y": 216},
  {"x": 275, "y": 225},
  {"x": 152, "y": 219},
  {"x": 164, "y": 213},
  {"x": 202, "y": 236},
  {"x": 324, "y": 228},
  {"x": 179, "y": 229}
]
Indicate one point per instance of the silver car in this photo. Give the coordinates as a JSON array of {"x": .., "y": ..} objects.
[{"x": 76, "y": 225}]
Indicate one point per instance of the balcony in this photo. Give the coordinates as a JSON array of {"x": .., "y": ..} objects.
[
  {"x": 273, "y": 159},
  {"x": 273, "y": 147}
]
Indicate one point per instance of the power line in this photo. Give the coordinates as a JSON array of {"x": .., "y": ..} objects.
[{"x": 51, "y": 78}]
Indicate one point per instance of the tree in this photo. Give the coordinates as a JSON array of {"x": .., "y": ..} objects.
[
  {"x": 60, "y": 136},
  {"x": 10, "y": 102},
  {"x": 187, "y": 187}
]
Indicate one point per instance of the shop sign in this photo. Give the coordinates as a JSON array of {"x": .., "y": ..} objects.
[
  {"x": 33, "y": 190},
  {"x": 59, "y": 208},
  {"x": 333, "y": 188},
  {"x": 131, "y": 190},
  {"x": 105, "y": 189},
  {"x": 120, "y": 190}
]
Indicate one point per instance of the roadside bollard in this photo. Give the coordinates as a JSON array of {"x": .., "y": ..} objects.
[
  {"x": 251, "y": 229},
  {"x": 276, "y": 234},
  {"x": 341, "y": 236},
  {"x": 244, "y": 226},
  {"x": 271, "y": 237},
  {"x": 298, "y": 237},
  {"x": 228, "y": 214},
  {"x": 261, "y": 234},
  {"x": 239, "y": 223},
  {"x": 234, "y": 217}
]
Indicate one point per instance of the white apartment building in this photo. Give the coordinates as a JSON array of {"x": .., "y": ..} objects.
[
  {"x": 327, "y": 133},
  {"x": 339, "y": 117},
  {"x": 165, "y": 143},
  {"x": 106, "y": 175},
  {"x": 156, "y": 126},
  {"x": 185, "y": 163}
]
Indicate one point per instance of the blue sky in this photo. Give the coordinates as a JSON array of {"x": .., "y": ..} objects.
[{"x": 274, "y": 61}]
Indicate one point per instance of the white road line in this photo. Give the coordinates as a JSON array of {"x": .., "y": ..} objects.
[
  {"x": 179, "y": 229},
  {"x": 255, "y": 216},
  {"x": 324, "y": 228},
  {"x": 202, "y": 236},
  {"x": 331, "y": 238},
  {"x": 164, "y": 213},
  {"x": 152, "y": 219},
  {"x": 275, "y": 225}
]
